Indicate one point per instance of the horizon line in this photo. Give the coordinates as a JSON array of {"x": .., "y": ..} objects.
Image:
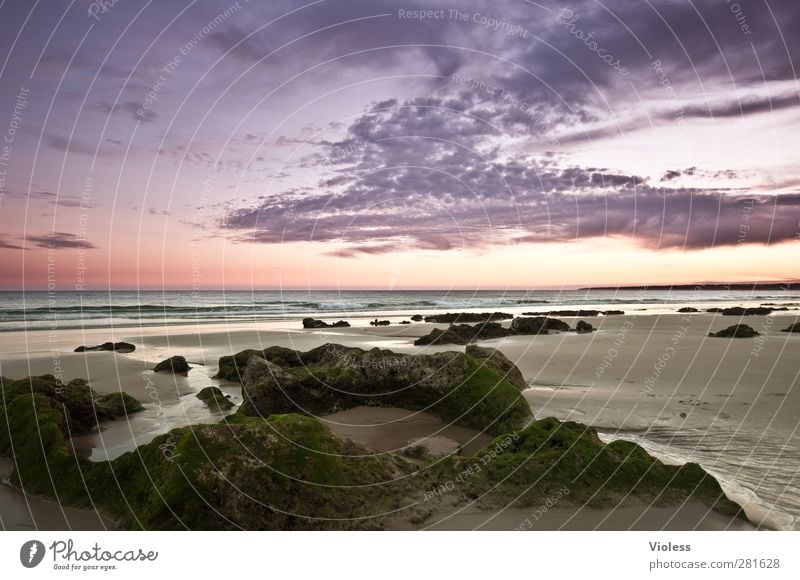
[{"x": 638, "y": 286}]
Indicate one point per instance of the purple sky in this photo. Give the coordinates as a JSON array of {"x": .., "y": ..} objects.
[{"x": 367, "y": 144}]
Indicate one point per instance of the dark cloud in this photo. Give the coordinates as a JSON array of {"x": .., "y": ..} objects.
[
  {"x": 419, "y": 175},
  {"x": 44, "y": 196},
  {"x": 61, "y": 143},
  {"x": 745, "y": 106},
  {"x": 132, "y": 109},
  {"x": 9, "y": 245},
  {"x": 652, "y": 218},
  {"x": 59, "y": 241}
]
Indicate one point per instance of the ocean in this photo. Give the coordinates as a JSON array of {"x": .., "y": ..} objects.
[{"x": 98, "y": 309}]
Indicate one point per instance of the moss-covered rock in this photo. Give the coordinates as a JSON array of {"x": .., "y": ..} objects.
[
  {"x": 215, "y": 399},
  {"x": 120, "y": 404},
  {"x": 451, "y": 385},
  {"x": 286, "y": 472},
  {"x": 174, "y": 364},
  {"x": 231, "y": 368},
  {"x": 79, "y": 407},
  {"x": 792, "y": 328},
  {"x": 290, "y": 472},
  {"x": 524, "y": 468}
]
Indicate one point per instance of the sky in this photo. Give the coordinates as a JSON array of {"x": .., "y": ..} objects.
[{"x": 395, "y": 145}]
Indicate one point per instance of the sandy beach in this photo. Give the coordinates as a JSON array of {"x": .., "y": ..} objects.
[
  {"x": 625, "y": 516},
  {"x": 731, "y": 405}
]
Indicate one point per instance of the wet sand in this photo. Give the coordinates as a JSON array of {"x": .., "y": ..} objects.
[
  {"x": 626, "y": 516},
  {"x": 389, "y": 429}
]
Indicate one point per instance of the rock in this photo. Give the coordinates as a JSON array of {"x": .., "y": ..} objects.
[
  {"x": 417, "y": 318},
  {"x": 613, "y": 312},
  {"x": 215, "y": 399},
  {"x": 279, "y": 467},
  {"x": 405, "y": 322},
  {"x": 498, "y": 362},
  {"x": 572, "y": 456},
  {"x": 78, "y": 407},
  {"x": 377, "y": 322},
  {"x": 537, "y": 325},
  {"x": 687, "y": 309},
  {"x": 231, "y": 368},
  {"x": 431, "y": 448},
  {"x": 448, "y": 336},
  {"x": 463, "y": 334},
  {"x": 792, "y": 328},
  {"x": 714, "y": 310},
  {"x": 453, "y": 386},
  {"x": 735, "y": 331},
  {"x": 120, "y": 404},
  {"x": 289, "y": 472},
  {"x": 583, "y": 326},
  {"x": 174, "y": 364},
  {"x": 120, "y": 347},
  {"x": 739, "y": 311},
  {"x": 468, "y": 317},
  {"x": 314, "y": 323}
]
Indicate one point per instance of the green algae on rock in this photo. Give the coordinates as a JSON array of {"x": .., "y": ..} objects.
[
  {"x": 215, "y": 399},
  {"x": 453, "y": 386}
]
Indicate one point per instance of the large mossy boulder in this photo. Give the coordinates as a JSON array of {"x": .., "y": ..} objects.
[
  {"x": 735, "y": 331},
  {"x": 174, "y": 364},
  {"x": 451, "y": 385}
]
